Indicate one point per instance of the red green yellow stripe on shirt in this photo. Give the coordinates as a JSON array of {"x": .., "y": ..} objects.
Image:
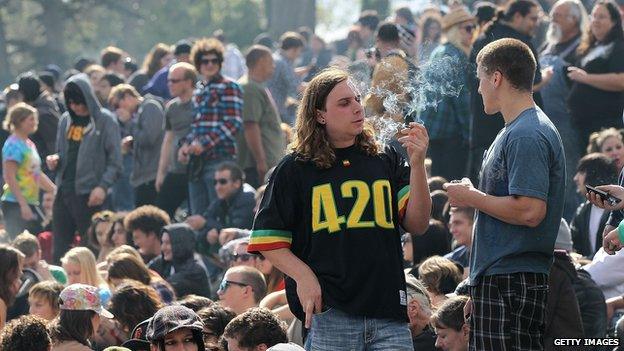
[
  {"x": 269, "y": 239},
  {"x": 403, "y": 197}
]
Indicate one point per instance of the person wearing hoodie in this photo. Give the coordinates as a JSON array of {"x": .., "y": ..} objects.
[
  {"x": 87, "y": 162},
  {"x": 179, "y": 264},
  {"x": 47, "y": 110}
]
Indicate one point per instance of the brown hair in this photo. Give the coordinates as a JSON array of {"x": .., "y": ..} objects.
[
  {"x": 148, "y": 218},
  {"x": 310, "y": 142},
  {"x": 616, "y": 32},
  {"x": 17, "y": 114},
  {"x": 206, "y": 46},
  {"x": 11, "y": 259},
  {"x": 128, "y": 266},
  {"x": 118, "y": 92},
  {"x": 49, "y": 291},
  {"x": 450, "y": 315},
  {"x": 151, "y": 63},
  {"x": 27, "y": 243},
  {"x": 513, "y": 59},
  {"x": 97, "y": 218},
  {"x": 73, "y": 325},
  {"x": 133, "y": 302},
  {"x": 25, "y": 333},
  {"x": 436, "y": 271},
  {"x": 253, "y": 278},
  {"x": 110, "y": 55}
]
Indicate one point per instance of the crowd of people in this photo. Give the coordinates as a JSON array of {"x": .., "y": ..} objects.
[{"x": 215, "y": 200}]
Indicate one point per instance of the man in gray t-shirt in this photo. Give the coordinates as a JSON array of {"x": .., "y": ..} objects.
[
  {"x": 171, "y": 178},
  {"x": 519, "y": 202}
]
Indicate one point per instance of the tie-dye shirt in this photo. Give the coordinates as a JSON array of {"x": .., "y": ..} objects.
[{"x": 25, "y": 154}]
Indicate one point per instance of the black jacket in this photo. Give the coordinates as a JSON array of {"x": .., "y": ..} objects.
[
  {"x": 563, "y": 316},
  {"x": 235, "y": 212},
  {"x": 579, "y": 227},
  {"x": 185, "y": 272},
  {"x": 484, "y": 127},
  {"x": 49, "y": 116}
]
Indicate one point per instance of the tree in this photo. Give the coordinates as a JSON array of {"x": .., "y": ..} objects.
[
  {"x": 285, "y": 15},
  {"x": 381, "y": 6}
]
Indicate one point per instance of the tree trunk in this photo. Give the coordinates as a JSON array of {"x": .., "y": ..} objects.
[
  {"x": 381, "y": 6},
  {"x": 53, "y": 19},
  {"x": 285, "y": 15},
  {"x": 5, "y": 68}
]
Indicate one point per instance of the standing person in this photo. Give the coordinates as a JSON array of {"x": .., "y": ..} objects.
[
  {"x": 596, "y": 98},
  {"x": 517, "y": 20},
  {"x": 311, "y": 228},
  {"x": 261, "y": 145},
  {"x": 112, "y": 59},
  {"x": 218, "y": 105},
  {"x": 47, "y": 109},
  {"x": 87, "y": 163},
  {"x": 448, "y": 123},
  {"x": 21, "y": 170},
  {"x": 519, "y": 203},
  {"x": 158, "y": 57},
  {"x": 172, "y": 178},
  {"x": 285, "y": 82},
  {"x": 568, "y": 19},
  {"x": 144, "y": 141}
]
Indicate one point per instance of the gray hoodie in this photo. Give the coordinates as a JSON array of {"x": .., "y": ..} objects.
[
  {"x": 99, "y": 156},
  {"x": 148, "y": 135}
]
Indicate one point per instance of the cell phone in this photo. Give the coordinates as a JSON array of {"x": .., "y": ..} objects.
[{"x": 612, "y": 200}]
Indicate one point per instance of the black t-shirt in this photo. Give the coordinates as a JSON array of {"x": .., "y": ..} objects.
[
  {"x": 343, "y": 222},
  {"x": 74, "y": 138},
  {"x": 590, "y": 103}
]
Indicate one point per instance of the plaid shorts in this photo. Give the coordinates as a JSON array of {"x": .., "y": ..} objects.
[{"x": 509, "y": 312}]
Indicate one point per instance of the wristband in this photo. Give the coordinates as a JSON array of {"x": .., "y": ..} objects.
[{"x": 620, "y": 230}]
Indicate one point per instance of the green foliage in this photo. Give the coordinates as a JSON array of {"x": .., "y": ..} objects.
[
  {"x": 133, "y": 25},
  {"x": 381, "y": 6}
]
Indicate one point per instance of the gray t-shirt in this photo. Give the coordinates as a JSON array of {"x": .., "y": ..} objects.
[
  {"x": 178, "y": 118},
  {"x": 525, "y": 159}
]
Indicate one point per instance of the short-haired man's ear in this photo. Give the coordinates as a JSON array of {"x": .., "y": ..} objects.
[
  {"x": 497, "y": 79},
  {"x": 466, "y": 330}
]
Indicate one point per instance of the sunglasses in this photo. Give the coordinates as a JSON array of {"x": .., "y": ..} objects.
[
  {"x": 225, "y": 284},
  {"x": 243, "y": 257},
  {"x": 175, "y": 81},
  {"x": 469, "y": 28},
  {"x": 221, "y": 181},
  {"x": 214, "y": 61}
]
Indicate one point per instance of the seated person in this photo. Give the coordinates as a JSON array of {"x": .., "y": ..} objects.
[
  {"x": 175, "y": 327},
  {"x": 233, "y": 208},
  {"x": 462, "y": 219},
  {"x": 43, "y": 299},
  {"x": 451, "y": 329},
  {"x": 589, "y": 220},
  {"x": 242, "y": 288},
  {"x": 216, "y": 318},
  {"x": 419, "y": 314},
  {"x": 145, "y": 223},
  {"x": 26, "y": 333},
  {"x": 440, "y": 276},
  {"x": 28, "y": 244},
  {"x": 256, "y": 329},
  {"x": 179, "y": 264}
]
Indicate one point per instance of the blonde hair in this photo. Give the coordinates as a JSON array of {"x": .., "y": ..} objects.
[
  {"x": 453, "y": 36},
  {"x": 120, "y": 91},
  {"x": 17, "y": 114},
  {"x": 310, "y": 141},
  {"x": 596, "y": 139},
  {"x": 88, "y": 265}
]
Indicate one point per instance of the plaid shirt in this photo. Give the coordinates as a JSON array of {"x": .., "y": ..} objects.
[
  {"x": 451, "y": 117},
  {"x": 218, "y": 106}
]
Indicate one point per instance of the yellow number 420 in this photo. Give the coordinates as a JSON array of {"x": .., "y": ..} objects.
[{"x": 325, "y": 213}]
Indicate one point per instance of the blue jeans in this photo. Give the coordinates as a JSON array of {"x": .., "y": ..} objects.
[
  {"x": 123, "y": 192},
  {"x": 336, "y": 330},
  {"x": 202, "y": 190}
]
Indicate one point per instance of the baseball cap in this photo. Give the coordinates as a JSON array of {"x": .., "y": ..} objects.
[
  {"x": 82, "y": 297},
  {"x": 171, "y": 318},
  {"x": 138, "y": 337}
]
